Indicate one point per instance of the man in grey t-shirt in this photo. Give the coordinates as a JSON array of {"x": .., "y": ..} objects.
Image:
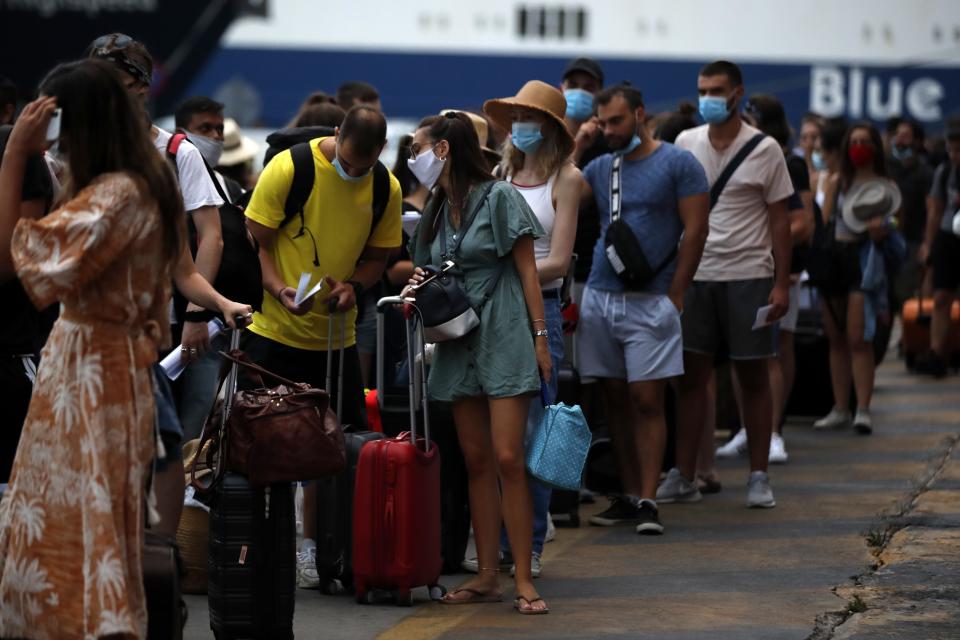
[{"x": 941, "y": 249}]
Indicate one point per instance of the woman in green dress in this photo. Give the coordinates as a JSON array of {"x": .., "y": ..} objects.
[{"x": 490, "y": 374}]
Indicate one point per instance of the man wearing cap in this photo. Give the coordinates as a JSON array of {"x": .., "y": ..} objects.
[
  {"x": 201, "y": 203},
  {"x": 582, "y": 79},
  {"x": 745, "y": 268},
  {"x": 941, "y": 248},
  {"x": 653, "y": 197}
]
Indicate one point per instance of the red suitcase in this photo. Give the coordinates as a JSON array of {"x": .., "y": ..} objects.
[{"x": 396, "y": 513}]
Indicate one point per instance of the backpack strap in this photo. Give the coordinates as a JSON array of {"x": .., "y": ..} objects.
[
  {"x": 173, "y": 146},
  {"x": 381, "y": 194},
  {"x": 301, "y": 185},
  {"x": 616, "y": 183},
  {"x": 732, "y": 166}
]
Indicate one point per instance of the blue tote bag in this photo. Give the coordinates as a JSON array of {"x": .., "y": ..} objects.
[{"x": 557, "y": 449}]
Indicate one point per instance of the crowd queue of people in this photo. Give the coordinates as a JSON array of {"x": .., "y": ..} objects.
[{"x": 682, "y": 265}]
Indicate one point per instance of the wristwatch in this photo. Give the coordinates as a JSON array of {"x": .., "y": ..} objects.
[
  {"x": 541, "y": 332},
  {"x": 357, "y": 288}
]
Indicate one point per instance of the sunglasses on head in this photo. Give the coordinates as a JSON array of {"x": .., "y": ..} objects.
[{"x": 110, "y": 41}]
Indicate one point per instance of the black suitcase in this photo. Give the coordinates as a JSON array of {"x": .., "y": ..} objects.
[
  {"x": 253, "y": 545},
  {"x": 564, "y": 504},
  {"x": 335, "y": 494},
  {"x": 812, "y": 393},
  {"x": 395, "y": 415},
  {"x": 162, "y": 569},
  {"x": 252, "y": 566}
]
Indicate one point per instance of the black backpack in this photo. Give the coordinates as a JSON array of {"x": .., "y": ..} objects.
[
  {"x": 297, "y": 140},
  {"x": 239, "y": 277}
]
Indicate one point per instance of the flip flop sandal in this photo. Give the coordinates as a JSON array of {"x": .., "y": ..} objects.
[
  {"x": 476, "y": 597},
  {"x": 529, "y": 610}
]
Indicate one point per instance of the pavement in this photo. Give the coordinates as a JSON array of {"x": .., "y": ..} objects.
[{"x": 864, "y": 543}]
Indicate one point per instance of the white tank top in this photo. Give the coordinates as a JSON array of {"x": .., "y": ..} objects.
[{"x": 540, "y": 199}]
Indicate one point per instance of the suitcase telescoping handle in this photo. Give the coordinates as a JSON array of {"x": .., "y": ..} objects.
[
  {"x": 415, "y": 343},
  {"x": 331, "y": 311}
]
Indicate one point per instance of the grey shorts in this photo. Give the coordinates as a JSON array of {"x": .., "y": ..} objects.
[
  {"x": 629, "y": 336},
  {"x": 718, "y": 316}
]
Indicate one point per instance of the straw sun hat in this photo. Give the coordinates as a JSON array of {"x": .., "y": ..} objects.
[{"x": 538, "y": 96}]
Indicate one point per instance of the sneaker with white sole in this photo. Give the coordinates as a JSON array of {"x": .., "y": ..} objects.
[
  {"x": 621, "y": 511},
  {"x": 759, "y": 493},
  {"x": 676, "y": 488},
  {"x": 863, "y": 423},
  {"x": 736, "y": 447},
  {"x": 649, "y": 523},
  {"x": 472, "y": 565},
  {"x": 536, "y": 566},
  {"x": 551, "y": 534},
  {"x": 307, "y": 575},
  {"x": 833, "y": 420},
  {"x": 778, "y": 451}
]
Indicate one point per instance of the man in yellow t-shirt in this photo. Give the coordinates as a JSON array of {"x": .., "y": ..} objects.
[{"x": 337, "y": 245}]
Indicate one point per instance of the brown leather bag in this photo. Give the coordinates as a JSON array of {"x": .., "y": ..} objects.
[{"x": 279, "y": 434}]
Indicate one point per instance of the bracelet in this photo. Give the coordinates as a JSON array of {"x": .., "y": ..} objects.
[{"x": 538, "y": 320}]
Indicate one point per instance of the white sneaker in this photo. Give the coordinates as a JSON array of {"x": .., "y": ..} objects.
[
  {"x": 307, "y": 576},
  {"x": 833, "y": 420},
  {"x": 736, "y": 447},
  {"x": 759, "y": 493},
  {"x": 863, "y": 423},
  {"x": 676, "y": 488},
  {"x": 778, "y": 452},
  {"x": 551, "y": 534},
  {"x": 536, "y": 566}
]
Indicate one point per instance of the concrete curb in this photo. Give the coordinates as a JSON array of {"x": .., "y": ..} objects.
[{"x": 913, "y": 588}]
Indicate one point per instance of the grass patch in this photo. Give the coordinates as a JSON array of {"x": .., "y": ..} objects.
[{"x": 856, "y": 605}]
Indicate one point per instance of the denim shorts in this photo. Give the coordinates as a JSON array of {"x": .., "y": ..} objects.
[
  {"x": 629, "y": 336},
  {"x": 171, "y": 432}
]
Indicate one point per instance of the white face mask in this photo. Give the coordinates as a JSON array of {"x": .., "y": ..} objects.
[
  {"x": 427, "y": 168},
  {"x": 210, "y": 149}
]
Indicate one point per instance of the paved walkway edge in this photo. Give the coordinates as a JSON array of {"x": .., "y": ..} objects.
[{"x": 913, "y": 588}]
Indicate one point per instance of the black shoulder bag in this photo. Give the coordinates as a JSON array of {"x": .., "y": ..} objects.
[
  {"x": 622, "y": 248},
  {"x": 444, "y": 306}
]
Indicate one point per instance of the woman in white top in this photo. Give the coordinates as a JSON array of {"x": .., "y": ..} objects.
[{"x": 536, "y": 160}]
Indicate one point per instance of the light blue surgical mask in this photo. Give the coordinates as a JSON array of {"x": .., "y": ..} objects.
[
  {"x": 714, "y": 110},
  {"x": 901, "y": 153},
  {"x": 635, "y": 142},
  {"x": 816, "y": 158},
  {"x": 579, "y": 104},
  {"x": 526, "y": 136},
  {"x": 343, "y": 172}
]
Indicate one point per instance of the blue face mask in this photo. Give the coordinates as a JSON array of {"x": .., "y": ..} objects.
[
  {"x": 901, "y": 153},
  {"x": 713, "y": 109},
  {"x": 816, "y": 158},
  {"x": 526, "y": 136},
  {"x": 343, "y": 172},
  {"x": 635, "y": 142},
  {"x": 579, "y": 104}
]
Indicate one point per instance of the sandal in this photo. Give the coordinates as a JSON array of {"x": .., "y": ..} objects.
[
  {"x": 524, "y": 606},
  {"x": 475, "y": 596}
]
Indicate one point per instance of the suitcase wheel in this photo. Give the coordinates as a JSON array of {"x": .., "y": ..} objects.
[
  {"x": 437, "y": 591},
  {"x": 365, "y": 597},
  {"x": 404, "y": 598},
  {"x": 574, "y": 520},
  {"x": 333, "y": 588}
]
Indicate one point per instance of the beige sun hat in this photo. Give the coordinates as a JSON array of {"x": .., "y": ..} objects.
[
  {"x": 875, "y": 198},
  {"x": 482, "y": 128},
  {"x": 237, "y": 148},
  {"x": 536, "y": 95}
]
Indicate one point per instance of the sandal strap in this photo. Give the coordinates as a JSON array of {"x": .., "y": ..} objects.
[{"x": 494, "y": 570}]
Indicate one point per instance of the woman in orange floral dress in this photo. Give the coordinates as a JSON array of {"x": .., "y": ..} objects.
[{"x": 72, "y": 519}]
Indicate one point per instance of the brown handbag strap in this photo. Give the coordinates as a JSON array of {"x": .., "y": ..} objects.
[{"x": 255, "y": 367}]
